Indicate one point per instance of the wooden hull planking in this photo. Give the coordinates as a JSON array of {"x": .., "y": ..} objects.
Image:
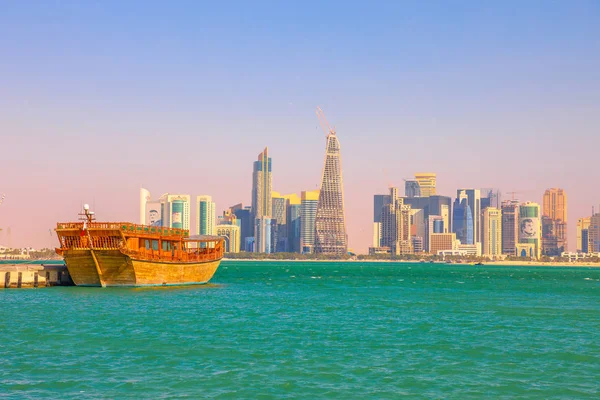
[{"x": 118, "y": 269}]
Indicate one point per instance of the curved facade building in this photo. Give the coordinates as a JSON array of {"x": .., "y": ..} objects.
[{"x": 462, "y": 221}]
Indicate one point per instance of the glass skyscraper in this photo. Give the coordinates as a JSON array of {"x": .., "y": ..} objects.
[
  {"x": 462, "y": 221},
  {"x": 205, "y": 217},
  {"x": 412, "y": 188},
  {"x": 262, "y": 200}
]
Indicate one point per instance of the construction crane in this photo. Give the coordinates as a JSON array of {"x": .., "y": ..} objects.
[
  {"x": 324, "y": 124},
  {"x": 512, "y": 194}
]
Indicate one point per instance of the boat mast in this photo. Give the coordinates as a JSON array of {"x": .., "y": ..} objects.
[{"x": 87, "y": 215}]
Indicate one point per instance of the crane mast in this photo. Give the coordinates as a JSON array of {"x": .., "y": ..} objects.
[{"x": 324, "y": 124}]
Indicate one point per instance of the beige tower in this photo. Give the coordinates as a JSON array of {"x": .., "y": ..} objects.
[
  {"x": 492, "y": 232},
  {"x": 262, "y": 202},
  {"x": 554, "y": 207},
  {"x": 426, "y": 182},
  {"x": 262, "y": 186},
  {"x": 555, "y": 204}
]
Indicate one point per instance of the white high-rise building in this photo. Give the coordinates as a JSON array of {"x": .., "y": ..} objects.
[
  {"x": 175, "y": 210},
  {"x": 205, "y": 215},
  {"x": 144, "y": 198},
  {"x": 376, "y": 234}
]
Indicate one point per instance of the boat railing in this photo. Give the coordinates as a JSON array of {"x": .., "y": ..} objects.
[
  {"x": 125, "y": 227},
  {"x": 190, "y": 255},
  {"x": 91, "y": 242}
]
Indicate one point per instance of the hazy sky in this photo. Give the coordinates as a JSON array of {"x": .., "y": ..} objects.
[{"x": 100, "y": 97}]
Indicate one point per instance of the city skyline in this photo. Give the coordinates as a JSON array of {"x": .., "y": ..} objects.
[
  {"x": 193, "y": 215},
  {"x": 98, "y": 103}
]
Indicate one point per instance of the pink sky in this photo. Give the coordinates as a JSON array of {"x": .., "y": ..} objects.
[
  {"x": 98, "y": 99},
  {"x": 47, "y": 178}
]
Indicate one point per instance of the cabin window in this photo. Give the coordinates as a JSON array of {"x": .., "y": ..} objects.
[
  {"x": 147, "y": 244},
  {"x": 155, "y": 245},
  {"x": 166, "y": 246}
]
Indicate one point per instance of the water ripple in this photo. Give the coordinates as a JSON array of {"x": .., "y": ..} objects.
[{"x": 334, "y": 330}]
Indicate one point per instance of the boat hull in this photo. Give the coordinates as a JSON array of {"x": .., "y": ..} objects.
[{"x": 113, "y": 268}]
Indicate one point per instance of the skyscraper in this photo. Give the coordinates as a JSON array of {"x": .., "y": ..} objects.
[
  {"x": 555, "y": 204},
  {"x": 491, "y": 198},
  {"x": 294, "y": 226},
  {"x": 152, "y": 212},
  {"x": 379, "y": 200},
  {"x": 144, "y": 198},
  {"x": 492, "y": 231},
  {"x": 411, "y": 188},
  {"x": 473, "y": 197},
  {"x": 594, "y": 234},
  {"x": 308, "y": 213},
  {"x": 462, "y": 219},
  {"x": 434, "y": 225},
  {"x": 205, "y": 215},
  {"x": 530, "y": 237},
  {"x": 279, "y": 234},
  {"x": 244, "y": 219},
  {"x": 555, "y": 231},
  {"x": 175, "y": 210},
  {"x": 396, "y": 224},
  {"x": 262, "y": 200},
  {"x": 417, "y": 227},
  {"x": 433, "y": 205},
  {"x": 510, "y": 227},
  {"x": 330, "y": 221},
  {"x": 262, "y": 185},
  {"x": 550, "y": 231},
  {"x": 426, "y": 182},
  {"x": 582, "y": 230},
  {"x": 287, "y": 214},
  {"x": 262, "y": 243}
]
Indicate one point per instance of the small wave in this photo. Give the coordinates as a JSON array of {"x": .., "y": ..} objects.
[{"x": 221, "y": 372}]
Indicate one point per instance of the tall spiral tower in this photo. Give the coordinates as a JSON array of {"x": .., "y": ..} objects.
[{"x": 330, "y": 221}]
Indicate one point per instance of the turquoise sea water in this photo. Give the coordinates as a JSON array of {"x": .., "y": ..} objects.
[{"x": 312, "y": 330}]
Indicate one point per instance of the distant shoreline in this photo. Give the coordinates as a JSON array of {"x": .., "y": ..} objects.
[{"x": 490, "y": 263}]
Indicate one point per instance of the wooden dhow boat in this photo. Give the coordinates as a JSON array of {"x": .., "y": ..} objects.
[{"x": 126, "y": 254}]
